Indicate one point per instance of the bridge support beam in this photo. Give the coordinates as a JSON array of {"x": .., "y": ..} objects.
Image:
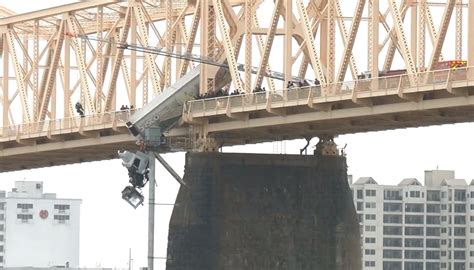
[{"x": 254, "y": 211}]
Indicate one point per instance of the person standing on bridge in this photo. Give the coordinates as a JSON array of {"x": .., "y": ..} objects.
[{"x": 79, "y": 109}]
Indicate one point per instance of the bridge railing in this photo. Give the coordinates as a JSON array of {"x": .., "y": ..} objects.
[
  {"x": 327, "y": 93},
  {"x": 65, "y": 125}
]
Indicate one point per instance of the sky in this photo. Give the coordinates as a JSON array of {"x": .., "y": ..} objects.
[{"x": 110, "y": 227}]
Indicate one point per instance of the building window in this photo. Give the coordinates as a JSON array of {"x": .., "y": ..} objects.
[
  {"x": 432, "y": 243},
  {"x": 413, "y": 265},
  {"x": 392, "y": 254},
  {"x": 459, "y": 219},
  {"x": 370, "y": 217},
  {"x": 471, "y": 218},
  {"x": 459, "y": 231},
  {"x": 433, "y": 208},
  {"x": 24, "y": 217},
  {"x": 460, "y": 208},
  {"x": 443, "y": 230},
  {"x": 471, "y": 253},
  {"x": 472, "y": 205},
  {"x": 414, "y": 207},
  {"x": 360, "y": 195},
  {"x": 360, "y": 206},
  {"x": 460, "y": 195},
  {"x": 392, "y": 242},
  {"x": 433, "y": 220},
  {"x": 1, "y": 237},
  {"x": 433, "y": 196},
  {"x": 443, "y": 207},
  {"x": 370, "y": 240},
  {"x": 443, "y": 265},
  {"x": 397, "y": 219},
  {"x": 432, "y": 265},
  {"x": 392, "y": 195},
  {"x": 432, "y": 255},
  {"x": 2, "y": 206},
  {"x": 369, "y": 252},
  {"x": 360, "y": 218},
  {"x": 392, "y": 230},
  {"x": 459, "y": 255},
  {"x": 410, "y": 219},
  {"x": 459, "y": 243},
  {"x": 415, "y": 194},
  {"x": 392, "y": 207},
  {"x": 370, "y": 192},
  {"x": 369, "y": 263},
  {"x": 25, "y": 207},
  {"x": 392, "y": 265},
  {"x": 459, "y": 266},
  {"x": 2, "y": 216},
  {"x": 471, "y": 265},
  {"x": 2, "y": 227},
  {"x": 414, "y": 230},
  {"x": 370, "y": 205},
  {"x": 61, "y": 207},
  {"x": 444, "y": 219},
  {"x": 432, "y": 231},
  {"x": 416, "y": 242},
  {"x": 369, "y": 228},
  {"x": 61, "y": 218},
  {"x": 414, "y": 254},
  {"x": 471, "y": 242}
]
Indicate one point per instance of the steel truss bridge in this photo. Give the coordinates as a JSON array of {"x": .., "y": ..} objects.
[{"x": 45, "y": 70}]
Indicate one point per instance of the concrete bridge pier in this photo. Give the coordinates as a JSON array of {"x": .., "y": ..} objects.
[{"x": 256, "y": 211}]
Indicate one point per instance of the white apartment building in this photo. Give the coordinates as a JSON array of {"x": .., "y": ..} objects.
[
  {"x": 416, "y": 227},
  {"x": 37, "y": 229}
]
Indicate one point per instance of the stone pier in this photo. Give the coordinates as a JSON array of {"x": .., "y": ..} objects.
[{"x": 256, "y": 211}]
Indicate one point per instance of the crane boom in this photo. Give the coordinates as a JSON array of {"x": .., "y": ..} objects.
[{"x": 190, "y": 57}]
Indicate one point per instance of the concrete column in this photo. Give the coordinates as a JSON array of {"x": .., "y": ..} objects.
[{"x": 265, "y": 212}]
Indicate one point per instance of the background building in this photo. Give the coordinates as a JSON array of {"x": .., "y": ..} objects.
[
  {"x": 416, "y": 227},
  {"x": 37, "y": 229}
]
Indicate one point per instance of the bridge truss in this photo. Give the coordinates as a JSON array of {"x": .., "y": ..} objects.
[{"x": 45, "y": 70}]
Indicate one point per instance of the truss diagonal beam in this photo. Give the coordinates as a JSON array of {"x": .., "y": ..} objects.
[
  {"x": 394, "y": 41},
  {"x": 442, "y": 33},
  {"x": 20, "y": 77},
  {"x": 268, "y": 43},
  {"x": 52, "y": 73},
  {"x": 347, "y": 55},
  {"x": 310, "y": 43},
  {"x": 398, "y": 24},
  {"x": 84, "y": 72},
  {"x": 117, "y": 63},
  {"x": 150, "y": 60},
  {"x": 229, "y": 51}
]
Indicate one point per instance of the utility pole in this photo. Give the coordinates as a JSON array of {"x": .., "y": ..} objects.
[
  {"x": 151, "y": 210},
  {"x": 130, "y": 259}
]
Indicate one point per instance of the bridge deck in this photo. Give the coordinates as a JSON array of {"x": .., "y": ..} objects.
[{"x": 433, "y": 98}]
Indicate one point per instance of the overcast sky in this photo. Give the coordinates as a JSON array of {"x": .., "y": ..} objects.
[{"x": 109, "y": 227}]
